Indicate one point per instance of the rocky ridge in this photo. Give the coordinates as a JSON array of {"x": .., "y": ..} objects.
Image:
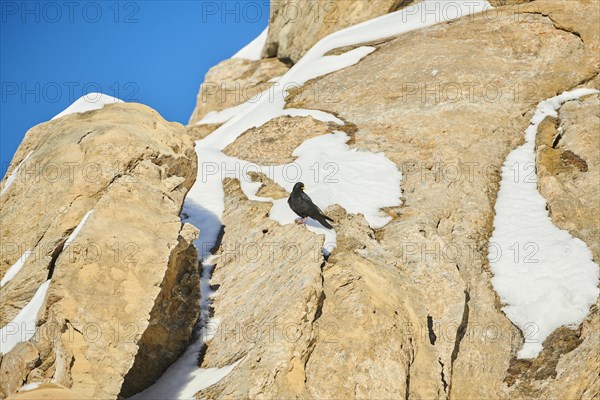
[
  {"x": 123, "y": 295},
  {"x": 439, "y": 307}
]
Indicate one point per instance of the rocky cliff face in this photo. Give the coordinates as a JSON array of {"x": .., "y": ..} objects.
[
  {"x": 296, "y": 26},
  {"x": 233, "y": 82},
  {"x": 406, "y": 310},
  {"x": 123, "y": 292}
]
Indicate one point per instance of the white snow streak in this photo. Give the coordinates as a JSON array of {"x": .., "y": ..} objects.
[
  {"x": 545, "y": 276},
  {"x": 29, "y": 386},
  {"x": 219, "y": 117},
  {"x": 9, "y": 181},
  {"x": 78, "y": 228},
  {"x": 22, "y": 327},
  {"x": 15, "y": 268},
  {"x": 89, "y": 102},
  {"x": 315, "y": 63},
  {"x": 253, "y": 50}
]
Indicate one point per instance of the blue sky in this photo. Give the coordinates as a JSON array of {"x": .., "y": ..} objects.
[{"x": 152, "y": 52}]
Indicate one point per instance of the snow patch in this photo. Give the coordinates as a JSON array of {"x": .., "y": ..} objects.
[
  {"x": 253, "y": 50},
  {"x": 88, "y": 102},
  {"x": 29, "y": 386},
  {"x": 11, "y": 178},
  {"x": 219, "y": 117},
  {"x": 360, "y": 181},
  {"x": 15, "y": 268},
  {"x": 545, "y": 276},
  {"x": 75, "y": 232},
  {"x": 184, "y": 379},
  {"x": 22, "y": 327}
]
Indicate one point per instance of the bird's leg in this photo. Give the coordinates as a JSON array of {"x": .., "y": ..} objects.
[{"x": 300, "y": 221}]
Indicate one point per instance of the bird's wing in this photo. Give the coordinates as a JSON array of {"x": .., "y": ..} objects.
[
  {"x": 306, "y": 198},
  {"x": 312, "y": 209}
]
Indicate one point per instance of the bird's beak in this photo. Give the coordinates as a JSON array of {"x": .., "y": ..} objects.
[{"x": 302, "y": 188}]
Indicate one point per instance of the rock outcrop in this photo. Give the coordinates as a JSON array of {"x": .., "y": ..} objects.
[
  {"x": 233, "y": 82},
  {"x": 123, "y": 297},
  {"x": 408, "y": 310},
  {"x": 265, "y": 146},
  {"x": 271, "y": 278},
  {"x": 295, "y": 26},
  {"x": 451, "y": 166},
  {"x": 568, "y": 169}
]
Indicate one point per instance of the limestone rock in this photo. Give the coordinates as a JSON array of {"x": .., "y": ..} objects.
[
  {"x": 295, "y": 26},
  {"x": 265, "y": 146},
  {"x": 568, "y": 161},
  {"x": 267, "y": 302},
  {"x": 49, "y": 391},
  {"x": 402, "y": 311},
  {"x": 16, "y": 365},
  {"x": 362, "y": 300},
  {"x": 124, "y": 293},
  {"x": 235, "y": 81},
  {"x": 269, "y": 188},
  {"x": 437, "y": 242},
  {"x": 573, "y": 197},
  {"x": 198, "y": 132}
]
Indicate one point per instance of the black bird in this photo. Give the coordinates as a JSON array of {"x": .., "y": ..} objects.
[{"x": 302, "y": 205}]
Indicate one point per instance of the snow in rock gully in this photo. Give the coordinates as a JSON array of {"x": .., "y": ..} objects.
[{"x": 545, "y": 276}]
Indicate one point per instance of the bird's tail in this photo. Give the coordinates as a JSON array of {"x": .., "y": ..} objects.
[{"x": 323, "y": 221}]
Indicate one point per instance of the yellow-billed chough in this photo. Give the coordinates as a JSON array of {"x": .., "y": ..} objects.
[{"x": 302, "y": 205}]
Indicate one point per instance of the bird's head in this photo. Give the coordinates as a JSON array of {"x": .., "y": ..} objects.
[{"x": 298, "y": 186}]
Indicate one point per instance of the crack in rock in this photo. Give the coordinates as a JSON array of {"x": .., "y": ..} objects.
[
  {"x": 460, "y": 334},
  {"x": 432, "y": 336},
  {"x": 556, "y": 24},
  {"x": 411, "y": 360},
  {"x": 443, "y": 376}
]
